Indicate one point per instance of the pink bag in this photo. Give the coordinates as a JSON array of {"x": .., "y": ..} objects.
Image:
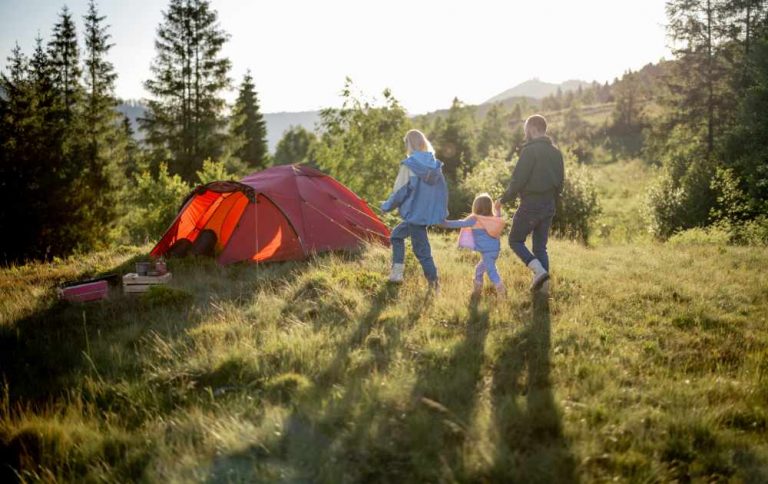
[
  {"x": 466, "y": 239},
  {"x": 88, "y": 291}
]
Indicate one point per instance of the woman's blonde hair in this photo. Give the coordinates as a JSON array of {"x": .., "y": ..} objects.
[
  {"x": 416, "y": 141},
  {"x": 483, "y": 205}
]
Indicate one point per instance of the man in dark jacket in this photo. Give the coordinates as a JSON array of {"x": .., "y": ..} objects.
[{"x": 538, "y": 180}]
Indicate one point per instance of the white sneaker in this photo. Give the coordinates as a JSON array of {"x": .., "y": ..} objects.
[
  {"x": 397, "y": 273},
  {"x": 540, "y": 275}
]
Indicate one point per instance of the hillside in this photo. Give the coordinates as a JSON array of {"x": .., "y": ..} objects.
[
  {"x": 536, "y": 89},
  {"x": 320, "y": 371}
]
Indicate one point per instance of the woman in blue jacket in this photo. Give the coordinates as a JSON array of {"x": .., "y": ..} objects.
[{"x": 421, "y": 195}]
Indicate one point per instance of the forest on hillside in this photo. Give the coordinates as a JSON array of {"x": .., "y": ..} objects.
[{"x": 78, "y": 180}]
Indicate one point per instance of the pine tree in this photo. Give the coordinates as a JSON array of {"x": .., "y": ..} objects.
[
  {"x": 699, "y": 85},
  {"x": 249, "y": 130},
  {"x": 15, "y": 107},
  {"x": 185, "y": 119},
  {"x": 455, "y": 143},
  {"x": 65, "y": 62},
  {"x": 493, "y": 133},
  {"x": 105, "y": 141},
  {"x": 628, "y": 111}
]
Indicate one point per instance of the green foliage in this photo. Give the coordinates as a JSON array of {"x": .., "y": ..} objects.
[
  {"x": 165, "y": 296},
  {"x": 682, "y": 197},
  {"x": 747, "y": 146},
  {"x": 296, "y": 146},
  {"x": 249, "y": 130},
  {"x": 155, "y": 200},
  {"x": 362, "y": 144},
  {"x": 491, "y": 174},
  {"x": 64, "y": 61},
  {"x": 244, "y": 382},
  {"x": 214, "y": 171},
  {"x": 185, "y": 119},
  {"x": 576, "y": 135},
  {"x": 455, "y": 140},
  {"x": 494, "y": 132},
  {"x": 62, "y": 154},
  {"x": 577, "y": 206}
]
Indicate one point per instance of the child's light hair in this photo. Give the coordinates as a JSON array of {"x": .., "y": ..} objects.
[
  {"x": 416, "y": 141},
  {"x": 482, "y": 205}
]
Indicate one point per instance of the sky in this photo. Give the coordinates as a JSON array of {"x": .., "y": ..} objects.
[{"x": 427, "y": 52}]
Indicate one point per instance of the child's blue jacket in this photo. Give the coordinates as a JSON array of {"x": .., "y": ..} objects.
[{"x": 424, "y": 199}]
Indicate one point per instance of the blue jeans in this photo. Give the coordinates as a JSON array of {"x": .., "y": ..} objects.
[
  {"x": 487, "y": 264},
  {"x": 420, "y": 244},
  {"x": 532, "y": 217}
]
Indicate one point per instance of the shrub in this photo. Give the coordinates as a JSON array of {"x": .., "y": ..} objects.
[
  {"x": 491, "y": 174},
  {"x": 152, "y": 204},
  {"x": 577, "y": 206},
  {"x": 215, "y": 170},
  {"x": 362, "y": 143},
  {"x": 681, "y": 198}
]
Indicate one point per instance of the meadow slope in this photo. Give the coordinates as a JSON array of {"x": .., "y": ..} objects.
[{"x": 648, "y": 363}]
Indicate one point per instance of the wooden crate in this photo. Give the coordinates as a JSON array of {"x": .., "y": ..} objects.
[{"x": 134, "y": 283}]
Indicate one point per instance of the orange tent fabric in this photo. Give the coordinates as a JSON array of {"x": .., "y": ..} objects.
[{"x": 281, "y": 213}]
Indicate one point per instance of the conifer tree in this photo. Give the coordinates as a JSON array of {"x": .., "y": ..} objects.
[
  {"x": 699, "y": 85},
  {"x": 493, "y": 133},
  {"x": 65, "y": 62},
  {"x": 455, "y": 142},
  {"x": 249, "y": 130},
  {"x": 105, "y": 141},
  {"x": 185, "y": 119}
]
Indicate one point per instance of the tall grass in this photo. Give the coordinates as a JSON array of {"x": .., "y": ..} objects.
[{"x": 647, "y": 363}]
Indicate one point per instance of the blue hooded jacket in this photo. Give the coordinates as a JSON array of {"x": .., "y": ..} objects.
[{"x": 424, "y": 199}]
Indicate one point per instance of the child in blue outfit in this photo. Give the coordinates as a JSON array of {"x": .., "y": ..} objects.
[
  {"x": 421, "y": 196},
  {"x": 486, "y": 226}
]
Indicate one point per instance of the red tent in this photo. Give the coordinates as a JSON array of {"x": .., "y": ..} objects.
[{"x": 282, "y": 213}]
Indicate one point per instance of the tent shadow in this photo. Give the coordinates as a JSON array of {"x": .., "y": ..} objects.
[{"x": 531, "y": 446}]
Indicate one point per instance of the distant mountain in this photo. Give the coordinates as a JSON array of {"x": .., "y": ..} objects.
[
  {"x": 277, "y": 123},
  {"x": 537, "y": 89}
]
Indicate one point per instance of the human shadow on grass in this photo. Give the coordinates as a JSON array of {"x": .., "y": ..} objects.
[
  {"x": 425, "y": 439},
  {"x": 443, "y": 400},
  {"x": 305, "y": 438},
  {"x": 530, "y": 444}
]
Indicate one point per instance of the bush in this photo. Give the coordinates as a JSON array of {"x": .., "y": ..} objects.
[
  {"x": 681, "y": 198},
  {"x": 714, "y": 235},
  {"x": 577, "y": 206},
  {"x": 215, "y": 170},
  {"x": 491, "y": 174},
  {"x": 152, "y": 204},
  {"x": 362, "y": 144}
]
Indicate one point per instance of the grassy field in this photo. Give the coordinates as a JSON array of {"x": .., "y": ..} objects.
[
  {"x": 621, "y": 188},
  {"x": 648, "y": 363}
]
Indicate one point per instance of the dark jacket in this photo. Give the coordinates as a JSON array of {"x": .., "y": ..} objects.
[{"x": 539, "y": 173}]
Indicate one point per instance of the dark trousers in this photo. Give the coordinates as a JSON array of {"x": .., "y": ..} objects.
[{"x": 532, "y": 217}]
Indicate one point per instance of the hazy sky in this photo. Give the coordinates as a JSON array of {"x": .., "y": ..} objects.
[{"x": 426, "y": 51}]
